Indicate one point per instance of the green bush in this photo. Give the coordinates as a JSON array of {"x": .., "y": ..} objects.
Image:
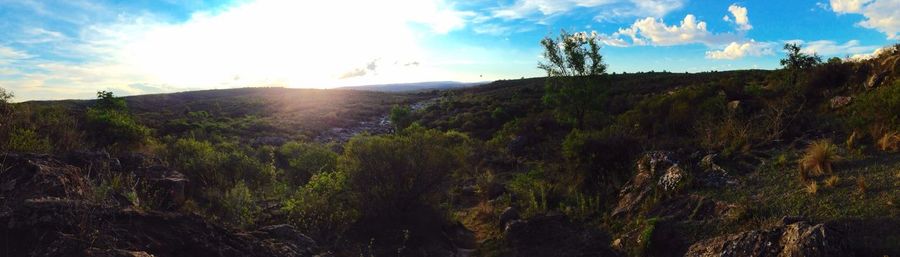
[
  {"x": 401, "y": 117},
  {"x": 238, "y": 206},
  {"x": 198, "y": 160},
  {"x": 880, "y": 107},
  {"x": 26, "y": 140},
  {"x": 110, "y": 124},
  {"x": 401, "y": 172},
  {"x": 304, "y": 160},
  {"x": 324, "y": 208},
  {"x": 532, "y": 191}
]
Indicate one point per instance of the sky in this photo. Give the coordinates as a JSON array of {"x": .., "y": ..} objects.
[{"x": 70, "y": 49}]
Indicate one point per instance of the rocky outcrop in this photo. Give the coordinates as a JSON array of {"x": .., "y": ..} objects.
[
  {"x": 656, "y": 171},
  {"x": 838, "y": 102},
  {"x": 554, "y": 235},
  {"x": 47, "y": 210},
  {"x": 796, "y": 239}
]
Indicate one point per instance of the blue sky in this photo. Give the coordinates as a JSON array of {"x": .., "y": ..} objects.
[{"x": 73, "y": 48}]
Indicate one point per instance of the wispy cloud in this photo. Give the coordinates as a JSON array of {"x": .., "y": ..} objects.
[{"x": 654, "y": 31}]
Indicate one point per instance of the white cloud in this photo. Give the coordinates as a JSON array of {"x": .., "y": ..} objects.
[
  {"x": 831, "y": 48},
  {"x": 608, "y": 8},
  {"x": 881, "y": 15},
  {"x": 10, "y": 54},
  {"x": 737, "y": 50},
  {"x": 867, "y": 56},
  {"x": 654, "y": 31},
  {"x": 740, "y": 17},
  {"x": 848, "y": 6}
]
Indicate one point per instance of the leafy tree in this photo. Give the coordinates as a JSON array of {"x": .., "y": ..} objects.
[
  {"x": 797, "y": 61},
  {"x": 110, "y": 124},
  {"x": 401, "y": 117},
  {"x": 304, "y": 160},
  {"x": 574, "y": 66},
  {"x": 5, "y": 107}
]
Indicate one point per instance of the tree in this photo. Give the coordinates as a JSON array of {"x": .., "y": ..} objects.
[
  {"x": 797, "y": 61},
  {"x": 401, "y": 117},
  {"x": 574, "y": 65},
  {"x": 5, "y": 107},
  {"x": 111, "y": 125}
]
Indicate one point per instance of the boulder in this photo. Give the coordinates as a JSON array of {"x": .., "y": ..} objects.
[
  {"x": 655, "y": 170},
  {"x": 796, "y": 239},
  {"x": 838, "y": 102},
  {"x": 35, "y": 176}
]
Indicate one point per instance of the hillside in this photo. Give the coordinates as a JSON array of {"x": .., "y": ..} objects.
[{"x": 798, "y": 161}]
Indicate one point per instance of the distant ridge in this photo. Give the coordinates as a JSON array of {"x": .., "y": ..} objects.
[{"x": 420, "y": 86}]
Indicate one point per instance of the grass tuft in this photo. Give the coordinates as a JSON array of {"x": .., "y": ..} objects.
[
  {"x": 817, "y": 159},
  {"x": 812, "y": 187},
  {"x": 889, "y": 141},
  {"x": 832, "y": 181}
]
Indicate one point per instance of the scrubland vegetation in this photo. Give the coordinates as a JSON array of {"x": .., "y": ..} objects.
[{"x": 813, "y": 139}]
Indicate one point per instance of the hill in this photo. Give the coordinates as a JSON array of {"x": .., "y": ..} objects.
[{"x": 412, "y": 87}]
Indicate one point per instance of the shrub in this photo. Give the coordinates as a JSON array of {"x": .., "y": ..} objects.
[
  {"x": 198, "y": 160},
  {"x": 817, "y": 159},
  {"x": 401, "y": 117},
  {"x": 532, "y": 191},
  {"x": 324, "y": 208},
  {"x": 396, "y": 173},
  {"x": 110, "y": 124},
  {"x": 303, "y": 160},
  {"x": 600, "y": 159},
  {"x": 26, "y": 140},
  {"x": 876, "y": 108},
  {"x": 238, "y": 206}
]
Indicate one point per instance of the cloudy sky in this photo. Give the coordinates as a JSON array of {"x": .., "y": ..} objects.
[{"x": 73, "y": 48}]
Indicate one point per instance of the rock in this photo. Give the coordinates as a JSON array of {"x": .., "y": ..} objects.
[
  {"x": 654, "y": 169},
  {"x": 673, "y": 179},
  {"x": 555, "y": 236},
  {"x": 797, "y": 239},
  {"x": 734, "y": 105},
  {"x": 509, "y": 214},
  {"x": 838, "y": 102},
  {"x": 36, "y": 176},
  {"x": 711, "y": 174},
  {"x": 46, "y": 210}
]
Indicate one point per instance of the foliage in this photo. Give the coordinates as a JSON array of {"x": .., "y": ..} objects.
[
  {"x": 574, "y": 67},
  {"x": 796, "y": 61},
  {"x": 879, "y": 107},
  {"x": 532, "y": 191},
  {"x": 303, "y": 160},
  {"x": 399, "y": 172},
  {"x": 401, "y": 117},
  {"x": 198, "y": 160},
  {"x": 110, "y": 124},
  {"x": 238, "y": 205},
  {"x": 26, "y": 140},
  {"x": 324, "y": 208}
]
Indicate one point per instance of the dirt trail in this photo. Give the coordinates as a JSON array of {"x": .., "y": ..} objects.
[{"x": 376, "y": 125}]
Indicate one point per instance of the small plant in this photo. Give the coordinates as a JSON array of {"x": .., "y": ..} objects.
[
  {"x": 889, "y": 141},
  {"x": 817, "y": 159},
  {"x": 832, "y": 181},
  {"x": 851, "y": 140},
  {"x": 812, "y": 187}
]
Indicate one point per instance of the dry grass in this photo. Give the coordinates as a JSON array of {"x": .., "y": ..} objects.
[
  {"x": 861, "y": 185},
  {"x": 832, "y": 181},
  {"x": 851, "y": 140},
  {"x": 817, "y": 159},
  {"x": 889, "y": 141},
  {"x": 812, "y": 188}
]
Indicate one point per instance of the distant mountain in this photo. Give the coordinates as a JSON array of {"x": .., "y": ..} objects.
[{"x": 420, "y": 86}]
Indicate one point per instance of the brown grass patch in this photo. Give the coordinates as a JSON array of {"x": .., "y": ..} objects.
[
  {"x": 817, "y": 159},
  {"x": 812, "y": 188},
  {"x": 889, "y": 141},
  {"x": 832, "y": 181}
]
